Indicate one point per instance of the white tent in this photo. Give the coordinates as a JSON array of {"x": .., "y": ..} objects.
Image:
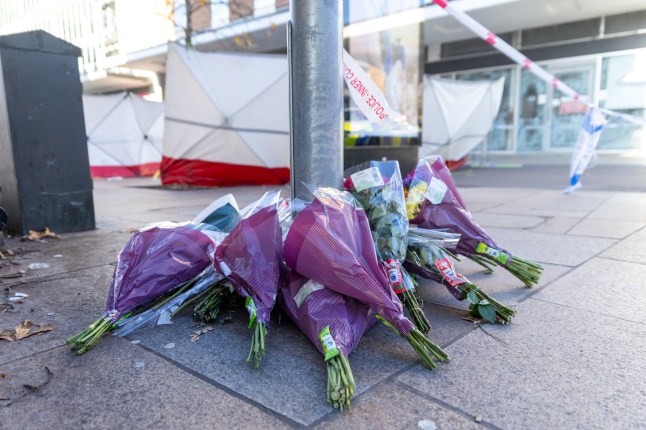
[
  {"x": 458, "y": 115},
  {"x": 124, "y": 134},
  {"x": 227, "y": 118}
]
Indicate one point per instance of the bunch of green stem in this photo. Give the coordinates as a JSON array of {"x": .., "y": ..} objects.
[
  {"x": 527, "y": 271},
  {"x": 340, "y": 382},
  {"x": 426, "y": 349},
  {"x": 480, "y": 302},
  {"x": 87, "y": 338},
  {"x": 209, "y": 304},
  {"x": 257, "y": 350},
  {"x": 418, "y": 318}
]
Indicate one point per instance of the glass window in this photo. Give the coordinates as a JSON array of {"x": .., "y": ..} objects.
[
  {"x": 623, "y": 84},
  {"x": 533, "y": 97},
  {"x": 501, "y": 137},
  {"x": 567, "y": 113}
]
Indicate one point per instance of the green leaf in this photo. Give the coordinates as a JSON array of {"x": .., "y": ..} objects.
[
  {"x": 484, "y": 302},
  {"x": 487, "y": 312},
  {"x": 473, "y": 298},
  {"x": 377, "y": 213},
  {"x": 473, "y": 310}
]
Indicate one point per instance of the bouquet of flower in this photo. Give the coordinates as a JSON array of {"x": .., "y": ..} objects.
[
  {"x": 154, "y": 262},
  {"x": 430, "y": 260},
  {"x": 433, "y": 202},
  {"x": 377, "y": 186},
  {"x": 249, "y": 257},
  {"x": 333, "y": 322},
  {"x": 161, "y": 266},
  {"x": 330, "y": 242}
]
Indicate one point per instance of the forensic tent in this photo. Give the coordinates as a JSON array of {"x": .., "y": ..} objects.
[
  {"x": 124, "y": 134},
  {"x": 458, "y": 115},
  {"x": 227, "y": 118}
]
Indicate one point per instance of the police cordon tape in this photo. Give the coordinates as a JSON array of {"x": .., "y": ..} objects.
[
  {"x": 365, "y": 93},
  {"x": 527, "y": 63}
]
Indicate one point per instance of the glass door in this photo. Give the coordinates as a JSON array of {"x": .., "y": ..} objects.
[{"x": 566, "y": 115}]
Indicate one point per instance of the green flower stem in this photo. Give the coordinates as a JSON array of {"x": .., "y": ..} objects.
[
  {"x": 87, "y": 338},
  {"x": 340, "y": 382},
  {"x": 424, "y": 348},
  {"x": 415, "y": 310},
  {"x": 257, "y": 350},
  {"x": 503, "y": 312},
  {"x": 482, "y": 262},
  {"x": 208, "y": 309}
]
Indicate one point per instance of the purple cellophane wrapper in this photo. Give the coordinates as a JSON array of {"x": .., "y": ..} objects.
[
  {"x": 451, "y": 213},
  {"x": 154, "y": 262},
  {"x": 250, "y": 258},
  {"x": 332, "y": 244},
  {"x": 347, "y": 318}
]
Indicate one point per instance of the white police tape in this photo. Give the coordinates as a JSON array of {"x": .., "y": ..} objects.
[
  {"x": 365, "y": 93},
  {"x": 527, "y": 63}
]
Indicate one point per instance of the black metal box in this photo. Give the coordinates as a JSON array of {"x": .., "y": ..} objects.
[{"x": 44, "y": 168}]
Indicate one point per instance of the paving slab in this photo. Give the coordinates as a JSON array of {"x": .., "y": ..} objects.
[
  {"x": 291, "y": 379},
  {"x": 74, "y": 252},
  {"x": 557, "y": 368},
  {"x": 553, "y": 203},
  {"x": 631, "y": 249},
  {"x": 550, "y": 248},
  {"x": 391, "y": 406},
  {"x": 623, "y": 206},
  {"x": 492, "y": 195},
  {"x": 615, "y": 229},
  {"x": 105, "y": 389},
  {"x": 486, "y": 219},
  {"x": 70, "y": 303},
  {"x": 557, "y": 224},
  {"x": 602, "y": 286}
]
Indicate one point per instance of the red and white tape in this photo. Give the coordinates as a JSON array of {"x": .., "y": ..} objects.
[
  {"x": 527, "y": 63},
  {"x": 365, "y": 93}
]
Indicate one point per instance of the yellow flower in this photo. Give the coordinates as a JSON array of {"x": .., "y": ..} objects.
[{"x": 415, "y": 198}]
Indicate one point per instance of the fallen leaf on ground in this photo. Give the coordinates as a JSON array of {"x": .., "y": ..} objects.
[
  {"x": 24, "y": 330},
  {"x": 197, "y": 333},
  {"x": 38, "y": 235}
]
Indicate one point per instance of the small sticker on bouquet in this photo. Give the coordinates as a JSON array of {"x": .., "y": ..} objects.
[
  {"x": 225, "y": 269},
  {"x": 447, "y": 272},
  {"x": 367, "y": 179},
  {"x": 395, "y": 276},
  {"x": 307, "y": 289},
  {"x": 327, "y": 342},
  {"x": 253, "y": 311},
  {"x": 497, "y": 255},
  {"x": 436, "y": 191}
]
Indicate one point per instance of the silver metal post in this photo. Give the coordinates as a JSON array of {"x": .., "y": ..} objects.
[{"x": 316, "y": 94}]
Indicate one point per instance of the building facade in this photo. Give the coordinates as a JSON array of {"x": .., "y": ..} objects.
[{"x": 596, "y": 47}]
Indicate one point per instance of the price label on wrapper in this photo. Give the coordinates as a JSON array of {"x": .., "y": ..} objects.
[
  {"x": 330, "y": 349},
  {"x": 497, "y": 255},
  {"x": 367, "y": 179},
  {"x": 436, "y": 191},
  {"x": 395, "y": 276},
  {"x": 447, "y": 272}
]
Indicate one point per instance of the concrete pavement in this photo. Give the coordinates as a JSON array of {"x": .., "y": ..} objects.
[{"x": 572, "y": 358}]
